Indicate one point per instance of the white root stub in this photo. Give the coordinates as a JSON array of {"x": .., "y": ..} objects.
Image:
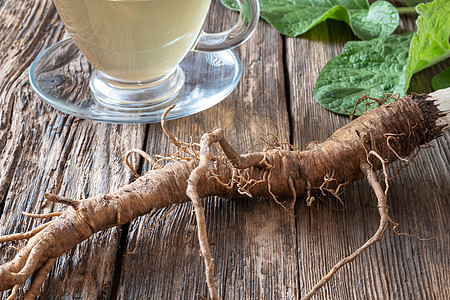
[{"x": 442, "y": 98}]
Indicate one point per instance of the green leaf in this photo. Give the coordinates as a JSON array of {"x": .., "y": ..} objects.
[
  {"x": 381, "y": 20},
  {"x": 294, "y": 17},
  {"x": 373, "y": 67},
  {"x": 430, "y": 44},
  {"x": 442, "y": 80}
]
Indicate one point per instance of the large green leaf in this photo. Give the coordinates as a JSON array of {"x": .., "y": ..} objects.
[
  {"x": 373, "y": 67},
  {"x": 430, "y": 44},
  {"x": 294, "y": 17}
]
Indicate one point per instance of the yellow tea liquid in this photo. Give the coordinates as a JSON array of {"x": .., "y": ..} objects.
[{"x": 134, "y": 40}]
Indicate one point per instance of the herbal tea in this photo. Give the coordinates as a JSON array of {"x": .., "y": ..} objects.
[{"x": 134, "y": 40}]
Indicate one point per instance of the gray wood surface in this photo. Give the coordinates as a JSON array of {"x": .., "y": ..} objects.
[{"x": 260, "y": 251}]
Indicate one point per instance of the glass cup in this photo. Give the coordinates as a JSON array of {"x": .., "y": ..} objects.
[{"x": 136, "y": 46}]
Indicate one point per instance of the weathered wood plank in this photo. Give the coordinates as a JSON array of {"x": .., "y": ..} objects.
[
  {"x": 397, "y": 267},
  {"x": 45, "y": 151},
  {"x": 252, "y": 240},
  {"x": 259, "y": 251}
]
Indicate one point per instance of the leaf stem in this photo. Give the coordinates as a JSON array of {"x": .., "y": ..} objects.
[{"x": 406, "y": 10}]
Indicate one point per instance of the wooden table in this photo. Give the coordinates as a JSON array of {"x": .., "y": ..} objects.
[{"x": 260, "y": 252}]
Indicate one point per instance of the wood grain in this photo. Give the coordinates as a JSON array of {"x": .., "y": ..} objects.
[{"x": 260, "y": 251}]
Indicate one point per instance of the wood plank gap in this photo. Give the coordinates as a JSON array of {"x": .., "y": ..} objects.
[
  {"x": 287, "y": 89},
  {"x": 289, "y": 101},
  {"x": 3, "y": 201},
  {"x": 119, "y": 259},
  {"x": 294, "y": 227},
  {"x": 124, "y": 231}
]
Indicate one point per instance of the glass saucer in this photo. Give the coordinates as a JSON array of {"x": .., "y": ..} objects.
[{"x": 60, "y": 76}]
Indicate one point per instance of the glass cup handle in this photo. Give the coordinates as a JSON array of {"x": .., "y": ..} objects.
[{"x": 236, "y": 35}]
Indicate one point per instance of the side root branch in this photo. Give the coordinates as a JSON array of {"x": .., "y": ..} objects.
[
  {"x": 205, "y": 156},
  {"x": 384, "y": 220},
  {"x": 24, "y": 235}
]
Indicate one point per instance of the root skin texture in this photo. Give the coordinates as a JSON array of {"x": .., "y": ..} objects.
[{"x": 411, "y": 119}]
